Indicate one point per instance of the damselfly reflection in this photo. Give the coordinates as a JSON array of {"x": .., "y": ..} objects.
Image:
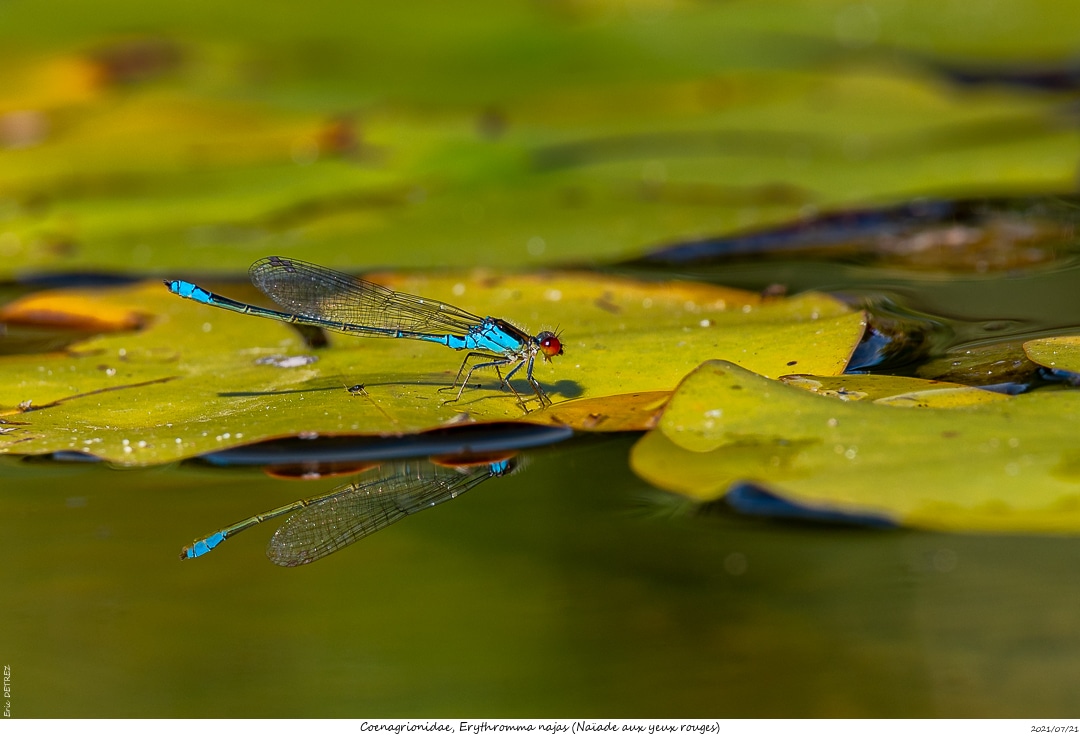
[{"x": 324, "y": 524}]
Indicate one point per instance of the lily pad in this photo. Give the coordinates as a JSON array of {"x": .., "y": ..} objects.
[
  {"x": 1000, "y": 466},
  {"x": 621, "y": 412},
  {"x": 199, "y": 379},
  {"x": 1060, "y": 353}
]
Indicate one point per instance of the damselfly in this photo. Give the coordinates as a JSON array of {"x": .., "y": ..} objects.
[{"x": 316, "y": 295}]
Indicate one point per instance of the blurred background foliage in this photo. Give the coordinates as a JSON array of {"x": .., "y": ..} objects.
[{"x": 199, "y": 136}]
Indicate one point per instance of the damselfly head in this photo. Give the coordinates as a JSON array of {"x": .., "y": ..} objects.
[{"x": 550, "y": 345}]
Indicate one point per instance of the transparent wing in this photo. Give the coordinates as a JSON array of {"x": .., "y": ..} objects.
[
  {"x": 320, "y": 293},
  {"x": 355, "y": 511}
]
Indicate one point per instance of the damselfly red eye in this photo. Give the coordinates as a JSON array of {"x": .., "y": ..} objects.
[{"x": 550, "y": 345}]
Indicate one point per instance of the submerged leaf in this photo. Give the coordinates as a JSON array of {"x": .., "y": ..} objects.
[
  {"x": 976, "y": 235},
  {"x": 982, "y": 365},
  {"x": 896, "y": 390}
]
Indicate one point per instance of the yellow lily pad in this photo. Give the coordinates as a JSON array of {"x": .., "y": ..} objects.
[
  {"x": 620, "y": 413},
  {"x": 73, "y": 312},
  {"x": 200, "y": 379},
  {"x": 999, "y": 466}
]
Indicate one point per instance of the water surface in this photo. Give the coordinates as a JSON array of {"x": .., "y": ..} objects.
[{"x": 569, "y": 588}]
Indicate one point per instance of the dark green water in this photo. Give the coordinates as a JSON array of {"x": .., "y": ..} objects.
[{"x": 569, "y": 588}]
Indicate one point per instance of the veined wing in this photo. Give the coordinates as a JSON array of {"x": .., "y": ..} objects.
[
  {"x": 350, "y": 514},
  {"x": 317, "y": 292}
]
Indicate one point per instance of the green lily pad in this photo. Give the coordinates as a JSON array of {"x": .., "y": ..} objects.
[
  {"x": 1061, "y": 353},
  {"x": 1000, "y": 466},
  {"x": 199, "y": 379}
]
